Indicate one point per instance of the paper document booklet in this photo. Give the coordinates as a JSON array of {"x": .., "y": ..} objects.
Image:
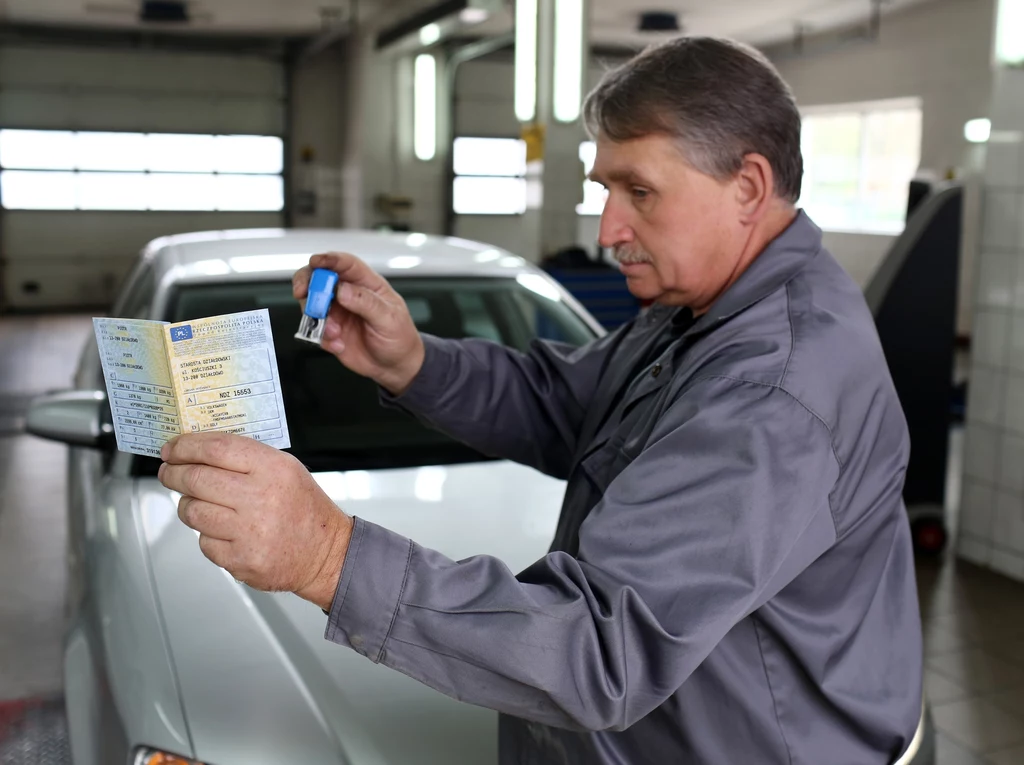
[{"x": 217, "y": 373}]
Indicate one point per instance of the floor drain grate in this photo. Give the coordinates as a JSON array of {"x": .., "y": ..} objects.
[{"x": 33, "y": 732}]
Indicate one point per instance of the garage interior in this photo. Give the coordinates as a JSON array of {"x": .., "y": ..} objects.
[{"x": 124, "y": 121}]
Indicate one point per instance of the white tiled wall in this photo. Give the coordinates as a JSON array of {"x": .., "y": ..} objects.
[{"x": 992, "y": 505}]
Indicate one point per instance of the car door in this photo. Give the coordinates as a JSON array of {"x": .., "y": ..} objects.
[{"x": 89, "y": 468}]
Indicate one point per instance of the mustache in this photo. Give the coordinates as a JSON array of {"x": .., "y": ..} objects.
[{"x": 630, "y": 253}]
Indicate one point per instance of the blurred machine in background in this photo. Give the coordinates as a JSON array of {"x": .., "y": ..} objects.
[
  {"x": 598, "y": 285},
  {"x": 913, "y": 297}
]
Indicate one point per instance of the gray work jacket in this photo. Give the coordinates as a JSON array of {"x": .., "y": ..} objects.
[{"x": 732, "y": 581}]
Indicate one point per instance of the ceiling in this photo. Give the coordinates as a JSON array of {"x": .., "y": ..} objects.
[
  {"x": 759, "y": 22},
  {"x": 284, "y": 17},
  {"x": 613, "y": 22}
]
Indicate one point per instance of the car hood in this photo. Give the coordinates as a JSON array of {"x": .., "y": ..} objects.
[{"x": 259, "y": 682}]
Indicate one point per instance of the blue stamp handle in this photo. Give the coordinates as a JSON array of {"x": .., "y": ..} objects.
[{"x": 321, "y": 293}]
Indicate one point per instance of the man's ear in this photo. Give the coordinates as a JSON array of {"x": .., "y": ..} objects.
[{"x": 755, "y": 187}]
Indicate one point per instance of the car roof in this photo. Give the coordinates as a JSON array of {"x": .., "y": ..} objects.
[{"x": 277, "y": 253}]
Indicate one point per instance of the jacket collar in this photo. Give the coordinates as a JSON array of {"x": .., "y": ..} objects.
[{"x": 783, "y": 258}]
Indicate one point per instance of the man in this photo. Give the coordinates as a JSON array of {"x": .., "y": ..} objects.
[{"x": 732, "y": 578}]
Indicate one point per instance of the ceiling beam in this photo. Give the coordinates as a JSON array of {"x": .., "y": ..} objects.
[{"x": 273, "y": 45}]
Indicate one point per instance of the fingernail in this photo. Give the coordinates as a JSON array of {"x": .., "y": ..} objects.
[
  {"x": 345, "y": 292},
  {"x": 337, "y": 347},
  {"x": 160, "y": 472}
]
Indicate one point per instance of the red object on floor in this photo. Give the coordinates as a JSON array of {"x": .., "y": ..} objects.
[{"x": 11, "y": 712}]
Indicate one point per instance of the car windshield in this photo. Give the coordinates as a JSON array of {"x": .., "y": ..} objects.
[{"x": 334, "y": 417}]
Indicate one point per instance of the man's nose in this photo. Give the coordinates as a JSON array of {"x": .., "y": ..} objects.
[{"x": 614, "y": 229}]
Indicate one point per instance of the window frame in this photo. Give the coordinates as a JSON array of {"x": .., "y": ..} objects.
[
  {"x": 581, "y": 209},
  {"x": 217, "y": 177},
  {"x": 863, "y": 110},
  {"x": 522, "y": 177}
]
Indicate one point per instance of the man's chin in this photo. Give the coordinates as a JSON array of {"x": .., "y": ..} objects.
[{"x": 643, "y": 285}]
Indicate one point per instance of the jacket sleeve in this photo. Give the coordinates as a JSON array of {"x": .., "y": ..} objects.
[
  {"x": 726, "y": 504},
  {"x": 525, "y": 407}
]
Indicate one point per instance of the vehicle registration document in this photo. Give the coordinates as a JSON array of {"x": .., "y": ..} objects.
[{"x": 212, "y": 374}]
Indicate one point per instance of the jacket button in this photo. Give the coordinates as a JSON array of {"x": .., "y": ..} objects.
[{"x": 656, "y": 370}]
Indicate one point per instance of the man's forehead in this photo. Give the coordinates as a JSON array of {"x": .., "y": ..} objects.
[{"x": 644, "y": 155}]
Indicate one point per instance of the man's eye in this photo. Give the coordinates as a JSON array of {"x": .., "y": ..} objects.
[{"x": 640, "y": 193}]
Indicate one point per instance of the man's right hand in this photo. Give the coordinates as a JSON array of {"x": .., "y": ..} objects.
[{"x": 369, "y": 327}]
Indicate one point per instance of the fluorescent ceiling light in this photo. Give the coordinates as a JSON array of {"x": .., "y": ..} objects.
[
  {"x": 978, "y": 131},
  {"x": 425, "y": 107},
  {"x": 568, "y": 59},
  {"x": 526, "y": 60},
  {"x": 473, "y": 15},
  {"x": 1006, "y": 136},
  {"x": 1010, "y": 32},
  {"x": 430, "y": 34},
  {"x": 436, "y": 20}
]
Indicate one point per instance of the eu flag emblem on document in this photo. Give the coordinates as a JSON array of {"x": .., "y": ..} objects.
[{"x": 181, "y": 333}]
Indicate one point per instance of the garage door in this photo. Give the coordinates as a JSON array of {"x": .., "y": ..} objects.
[{"x": 103, "y": 150}]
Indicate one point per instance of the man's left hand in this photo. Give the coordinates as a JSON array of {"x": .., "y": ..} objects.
[{"x": 259, "y": 513}]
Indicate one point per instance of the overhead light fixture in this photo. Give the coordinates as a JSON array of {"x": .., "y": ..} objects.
[
  {"x": 1010, "y": 32},
  {"x": 568, "y": 90},
  {"x": 978, "y": 131},
  {"x": 526, "y": 60},
  {"x": 424, "y": 109},
  {"x": 430, "y": 34},
  {"x": 164, "y": 11},
  {"x": 658, "y": 21},
  {"x": 471, "y": 16},
  {"x": 434, "y": 23}
]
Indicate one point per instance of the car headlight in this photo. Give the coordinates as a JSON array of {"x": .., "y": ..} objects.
[{"x": 155, "y": 757}]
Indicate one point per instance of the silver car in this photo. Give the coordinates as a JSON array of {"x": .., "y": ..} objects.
[{"x": 165, "y": 653}]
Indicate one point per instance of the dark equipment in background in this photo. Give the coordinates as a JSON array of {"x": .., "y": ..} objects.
[
  {"x": 658, "y": 21},
  {"x": 919, "y": 191},
  {"x": 599, "y": 286},
  {"x": 164, "y": 11},
  {"x": 913, "y": 297}
]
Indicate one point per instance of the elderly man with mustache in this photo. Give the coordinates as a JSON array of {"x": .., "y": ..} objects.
[{"x": 731, "y": 581}]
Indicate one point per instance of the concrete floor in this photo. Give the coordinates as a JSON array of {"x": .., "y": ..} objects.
[
  {"x": 974, "y": 619},
  {"x": 36, "y": 354}
]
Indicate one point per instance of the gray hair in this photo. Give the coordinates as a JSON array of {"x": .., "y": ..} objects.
[{"x": 721, "y": 99}]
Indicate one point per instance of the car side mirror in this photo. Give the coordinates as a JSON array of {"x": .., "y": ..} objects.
[{"x": 74, "y": 417}]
